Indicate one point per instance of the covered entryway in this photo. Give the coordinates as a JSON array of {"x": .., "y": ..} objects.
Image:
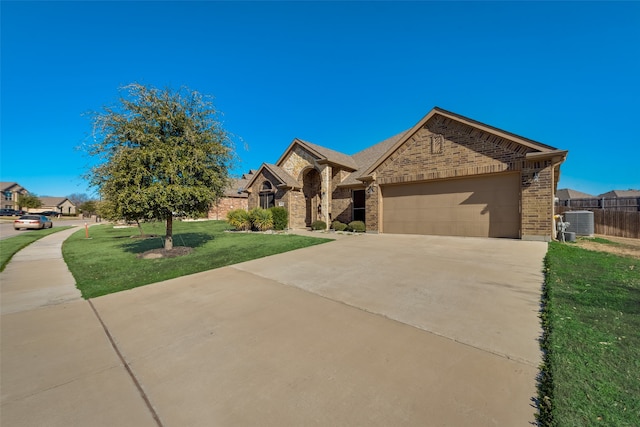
[
  {"x": 312, "y": 187},
  {"x": 482, "y": 206}
]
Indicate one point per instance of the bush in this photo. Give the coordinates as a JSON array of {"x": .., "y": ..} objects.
[
  {"x": 357, "y": 226},
  {"x": 239, "y": 219},
  {"x": 338, "y": 226},
  {"x": 262, "y": 219},
  {"x": 280, "y": 218},
  {"x": 319, "y": 225}
]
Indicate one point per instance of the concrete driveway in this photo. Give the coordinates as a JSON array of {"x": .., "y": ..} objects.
[{"x": 367, "y": 330}]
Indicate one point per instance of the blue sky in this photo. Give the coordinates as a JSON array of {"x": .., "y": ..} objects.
[{"x": 344, "y": 75}]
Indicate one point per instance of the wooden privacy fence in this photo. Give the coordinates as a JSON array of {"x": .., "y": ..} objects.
[
  {"x": 631, "y": 204},
  {"x": 611, "y": 222}
]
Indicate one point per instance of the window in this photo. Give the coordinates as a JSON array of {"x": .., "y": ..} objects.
[
  {"x": 267, "y": 195},
  {"x": 358, "y": 205}
]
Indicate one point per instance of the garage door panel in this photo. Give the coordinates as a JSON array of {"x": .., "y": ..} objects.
[{"x": 485, "y": 206}]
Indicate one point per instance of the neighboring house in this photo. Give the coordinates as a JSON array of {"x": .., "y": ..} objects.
[
  {"x": 58, "y": 204},
  {"x": 569, "y": 198},
  {"x": 622, "y": 200},
  {"x": 565, "y": 194},
  {"x": 616, "y": 194},
  {"x": 447, "y": 175},
  {"x": 10, "y": 192},
  {"x": 234, "y": 198}
]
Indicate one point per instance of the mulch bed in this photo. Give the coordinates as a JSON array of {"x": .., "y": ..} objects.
[{"x": 163, "y": 253}]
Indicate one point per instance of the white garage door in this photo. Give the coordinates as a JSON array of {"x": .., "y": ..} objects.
[{"x": 487, "y": 206}]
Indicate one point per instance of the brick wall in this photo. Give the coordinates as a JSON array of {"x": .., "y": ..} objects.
[
  {"x": 444, "y": 148},
  {"x": 372, "y": 212},
  {"x": 226, "y": 204},
  {"x": 254, "y": 190},
  {"x": 537, "y": 200}
]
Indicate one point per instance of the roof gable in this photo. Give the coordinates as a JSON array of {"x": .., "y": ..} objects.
[
  {"x": 567, "y": 194},
  {"x": 284, "y": 179},
  {"x": 620, "y": 193},
  {"x": 54, "y": 201},
  {"x": 530, "y": 145},
  {"x": 10, "y": 186},
  {"x": 320, "y": 154}
]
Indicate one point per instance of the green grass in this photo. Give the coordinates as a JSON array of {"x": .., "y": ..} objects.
[
  {"x": 591, "y": 319},
  {"x": 107, "y": 262},
  {"x": 9, "y": 247}
]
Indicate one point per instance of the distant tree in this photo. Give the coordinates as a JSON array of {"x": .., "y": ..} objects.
[
  {"x": 78, "y": 198},
  {"x": 159, "y": 152},
  {"x": 88, "y": 207},
  {"x": 29, "y": 201}
]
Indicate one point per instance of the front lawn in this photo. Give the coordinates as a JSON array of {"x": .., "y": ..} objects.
[
  {"x": 591, "y": 319},
  {"x": 108, "y": 262}
]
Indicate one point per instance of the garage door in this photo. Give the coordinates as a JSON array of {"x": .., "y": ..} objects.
[{"x": 487, "y": 206}]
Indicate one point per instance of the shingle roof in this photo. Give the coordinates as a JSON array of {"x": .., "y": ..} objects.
[
  {"x": 620, "y": 193},
  {"x": 4, "y": 186},
  {"x": 53, "y": 201},
  {"x": 567, "y": 194},
  {"x": 236, "y": 187},
  {"x": 330, "y": 155},
  {"x": 283, "y": 176},
  {"x": 365, "y": 158}
]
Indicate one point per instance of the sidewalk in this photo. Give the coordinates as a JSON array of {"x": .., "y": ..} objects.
[{"x": 58, "y": 367}]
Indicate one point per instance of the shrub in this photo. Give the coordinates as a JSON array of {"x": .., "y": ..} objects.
[
  {"x": 280, "y": 218},
  {"x": 239, "y": 219},
  {"x": 319, "y": 225},
  {"x": 338, "y": 226},
  {"x": 262, "y": 219},
  {"x": 357, "y": 226}
]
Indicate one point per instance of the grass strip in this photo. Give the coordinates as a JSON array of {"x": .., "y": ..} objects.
[
  {"x": 9, "y": 247},
  {"x": 108, "y": 261},
  {"x": 591, "y": 317}
]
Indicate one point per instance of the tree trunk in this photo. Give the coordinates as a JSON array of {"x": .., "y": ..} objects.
[
  {"x": 140, "y": 228},
  {"x": 168, "y": 239}
]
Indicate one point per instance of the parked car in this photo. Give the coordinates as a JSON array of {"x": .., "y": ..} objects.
[
  {"x": 8, "y": 212},
  {"x": 50, "y": 213},
  {"x": 32, "y": 221}
]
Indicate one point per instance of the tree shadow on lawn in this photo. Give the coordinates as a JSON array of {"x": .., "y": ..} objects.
[{"x": 192, "y": 240}]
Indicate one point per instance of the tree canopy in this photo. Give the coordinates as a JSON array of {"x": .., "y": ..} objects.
[
  {"x": 159, "y": 152},
  {"x": 29, "y": 201}
]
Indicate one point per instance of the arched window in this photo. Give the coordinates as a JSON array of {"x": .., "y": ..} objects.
[{"x": 267, "y": 195}]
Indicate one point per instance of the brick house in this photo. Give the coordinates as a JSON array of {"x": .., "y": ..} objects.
[
  {"x": 447, "y": 175},
  {"x": 10, "y": 193},
  {"x": 58, "y": 204}
]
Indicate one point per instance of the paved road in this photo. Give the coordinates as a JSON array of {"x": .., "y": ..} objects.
[
  {"x": 6, "y": 226},
  {"x": 367, "y": 330}
]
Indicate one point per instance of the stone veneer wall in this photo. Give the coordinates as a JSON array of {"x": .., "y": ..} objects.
[{"x": 297, "y": 161}]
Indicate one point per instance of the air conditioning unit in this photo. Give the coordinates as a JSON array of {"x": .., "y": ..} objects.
[{"x": 580, "y": 222}]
